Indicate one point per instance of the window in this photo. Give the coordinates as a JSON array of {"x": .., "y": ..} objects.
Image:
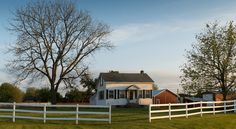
[
  {"x": 111, "y": 94},
  {"x": 140, "y": 94},
  {"x": 101, "y": 95},
  {"x": 122, "y": 94},
  {"x": 148, "y": 93}
]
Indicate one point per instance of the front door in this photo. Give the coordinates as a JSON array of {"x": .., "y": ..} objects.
[{"x": 132, "y": 96}]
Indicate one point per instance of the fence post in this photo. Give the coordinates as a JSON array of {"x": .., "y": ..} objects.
[
  {"x": 44, "y": 113},
  {"x": 77, "y": 113},
  {"x": 14, "y": 112},
  {"x": 214, "y": 108},
  {"x": 201, "y": 107},
  {"x": 224, "y": 107},
  {"x": 234, "y": 106},
  {"x": 149, "y": 115},
  {"x": 109, "y": 114},
  {"x": 186, "y": 112},
  {"x": 169, "y": 111}
]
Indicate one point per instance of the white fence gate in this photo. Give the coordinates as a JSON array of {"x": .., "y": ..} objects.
[
  {"x": 77, "y": 112},
  {"x": 160, "y": 111}
]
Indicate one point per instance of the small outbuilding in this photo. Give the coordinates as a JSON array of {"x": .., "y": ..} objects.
[
  {"x": 164, "y": 96},
  {"x": 212, "y": 96}
]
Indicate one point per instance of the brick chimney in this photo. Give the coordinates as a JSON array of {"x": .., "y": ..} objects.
[{"x": 141, "y": 72}]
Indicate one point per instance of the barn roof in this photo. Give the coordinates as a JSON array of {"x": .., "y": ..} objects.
[
  {"x": 125, "y": 77},
  {"x": 157, "y": 92}
]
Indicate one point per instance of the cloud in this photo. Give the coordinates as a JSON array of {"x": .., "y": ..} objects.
[
  {"x": 133, "y": 33},
  {"x": 144, "y": 32}
]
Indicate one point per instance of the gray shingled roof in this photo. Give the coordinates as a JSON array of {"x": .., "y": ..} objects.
[{"x": 126, "y": 77}]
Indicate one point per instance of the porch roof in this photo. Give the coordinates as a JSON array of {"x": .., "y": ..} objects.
[{"x": 133, "y": 87}]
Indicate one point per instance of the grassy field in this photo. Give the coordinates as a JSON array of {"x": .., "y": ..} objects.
[{"x": 131, "y": 118}]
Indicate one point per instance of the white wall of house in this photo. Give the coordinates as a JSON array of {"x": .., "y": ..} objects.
[{"x": 101, "y": 86}]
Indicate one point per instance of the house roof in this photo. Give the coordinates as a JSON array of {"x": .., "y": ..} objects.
[
  {"x": 125, "y": 77},
  {"x": 157, "y": 92}
]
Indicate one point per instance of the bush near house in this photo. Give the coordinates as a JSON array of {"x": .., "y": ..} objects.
[
  {"x": 75, "y": 95},
  {"x": 10, "y": 93}
]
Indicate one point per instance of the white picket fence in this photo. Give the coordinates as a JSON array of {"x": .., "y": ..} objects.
[
  {"x": 161, "y": 111},
  {"x": 14, "y": 109}
]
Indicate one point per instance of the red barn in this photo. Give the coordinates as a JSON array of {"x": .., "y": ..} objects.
[{"x": 164, "y": 96}]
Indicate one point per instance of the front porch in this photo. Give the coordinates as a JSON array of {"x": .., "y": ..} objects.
[
  {"x": 135, "y": 95},
  {"x": 131, "y": 95}
]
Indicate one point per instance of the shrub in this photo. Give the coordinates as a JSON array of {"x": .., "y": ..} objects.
[
  {"x": 30, "y": 94},
  {"x": 74, "y": 95},
  {"x": 10, "y": 93},
  {"x": 44, "y": 95}
]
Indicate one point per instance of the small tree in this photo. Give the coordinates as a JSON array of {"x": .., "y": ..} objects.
[
  {"x": 54, "y": 39},
  {"x": 10, "y": 93},
  {"x": 30, "y": 94},
  {"x": 44, "y": 95},
  {"x": 155, "y": 87},
  {"x": 74, "y": 95},
  {"x": 212, "y": 61},
  {"x": 89, "y": 84}
]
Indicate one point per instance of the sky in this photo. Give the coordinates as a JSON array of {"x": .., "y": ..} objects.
[{"x": 149, "y": 35}]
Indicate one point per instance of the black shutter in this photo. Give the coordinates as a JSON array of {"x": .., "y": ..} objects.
[
  {"x": 115, "y": 94},
  {"x": 126, "y": 93},
  {"x": 118, "y": 94},
  {"x": 106, "y": 94},
  {"x": 151, "y": 93}
]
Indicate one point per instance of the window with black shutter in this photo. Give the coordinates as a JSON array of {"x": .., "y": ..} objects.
[
  {"x": 148, "y": 94},
  {"x": 111, "y": 94},
  {"x": 118, "y": 94},
  {"x": 122, "y": 94}
]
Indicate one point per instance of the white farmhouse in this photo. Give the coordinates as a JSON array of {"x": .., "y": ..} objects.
[{"x": 114, "y": 88}]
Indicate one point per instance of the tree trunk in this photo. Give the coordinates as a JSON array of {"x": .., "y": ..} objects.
[
  {"x": 224, "y": 92},
  {"x": 53, "y": 97},
  {"x": 224, "y": 95}
]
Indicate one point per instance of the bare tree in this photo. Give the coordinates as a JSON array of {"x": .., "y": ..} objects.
[
  {"x": 212, "y": 61},
  {"x": 54, "y": 39}
]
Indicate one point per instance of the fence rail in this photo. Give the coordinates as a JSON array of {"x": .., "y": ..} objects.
[
  {"x": 162, "y": 111},
  {"x": 16, "y": 108}
]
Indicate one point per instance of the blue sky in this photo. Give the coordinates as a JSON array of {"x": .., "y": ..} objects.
[{"x": 151, "y": 35}]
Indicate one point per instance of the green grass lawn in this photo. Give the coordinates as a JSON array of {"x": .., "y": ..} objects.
[{"x": 131, "y": 118}]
